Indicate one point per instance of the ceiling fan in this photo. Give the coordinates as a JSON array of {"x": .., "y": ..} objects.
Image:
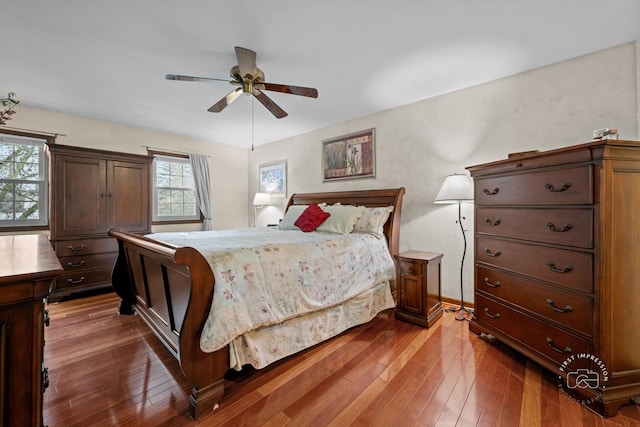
[{"x": 250, "y": 80}]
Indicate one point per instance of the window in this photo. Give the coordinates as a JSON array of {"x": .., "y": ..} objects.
[
  {"x": 23, "y": 182},
  {"x": 174, "y": 190}
]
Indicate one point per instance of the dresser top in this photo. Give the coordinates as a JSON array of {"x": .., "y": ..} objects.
[
  {"x": 564, "y": 155},
  {"x": 27, "y": 257}
]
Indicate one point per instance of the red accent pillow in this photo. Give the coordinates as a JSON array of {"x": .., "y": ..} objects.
[{"x": 311, "y": 218}]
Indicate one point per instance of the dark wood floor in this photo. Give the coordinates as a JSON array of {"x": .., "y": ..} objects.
[{"x": 108, "y": 370}]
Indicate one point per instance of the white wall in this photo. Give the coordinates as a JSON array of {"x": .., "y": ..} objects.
[
  {"x": 228, "y": 165},
  {"x": 418, "y": 145}
]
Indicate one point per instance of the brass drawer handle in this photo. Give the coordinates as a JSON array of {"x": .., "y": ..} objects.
[
  {"x": 79, "y": 264},
  {"x": 491, "y": 193},
  {"x": 565, "y": 269},
  {"x": 493, "y": 254},
  {"x": 558, "y": 349},
  {"x": 76, "y": 248},
  {"x": 492, "y": 285},
  {"x": 564, "y": 187},
  {"x": 565, "y": 227},
  {"x": 75, "y": 282},
  {"x": 493, "y": 316},
  {"x": 45, "y": 378},
  {"x": 46, "y": 318},
  {"x": 559, "y": 310},
  {"x": 492, "y": 223}
]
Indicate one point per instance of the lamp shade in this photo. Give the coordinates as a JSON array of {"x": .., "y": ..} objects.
[
  {"x": 456, "y": 188},
  {"x": 261, "y": 199}
]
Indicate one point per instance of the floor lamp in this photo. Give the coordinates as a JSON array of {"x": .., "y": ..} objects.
[
  {"x": 458, "y": 188},
  {"x": 259, "y": 200}
]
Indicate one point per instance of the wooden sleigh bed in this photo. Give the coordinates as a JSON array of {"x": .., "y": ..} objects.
[{"x": 171, "y": 289}]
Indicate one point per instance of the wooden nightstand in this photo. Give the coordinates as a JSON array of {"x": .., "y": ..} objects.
[{"x": 419, "y": 299}]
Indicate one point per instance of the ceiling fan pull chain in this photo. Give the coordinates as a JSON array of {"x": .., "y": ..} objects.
[{"x": 252, "y": 123}]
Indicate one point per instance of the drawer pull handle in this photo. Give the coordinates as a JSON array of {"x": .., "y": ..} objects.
[
  {"x": 79, "y": 264},
  {"x": 492, "y": 223},
  {"x": 492, "y": 285},
  {"x": 45, "y": 379},
  {"x": 75, "y": 282},
  {"x": 493, "y": 316},
  {"x": 493, "y": 254},
  {"x": 565, "y": 269},
  {"x": 46, "y": 318},
  {"x": 491, "y": 193},
  {"x": 565, "y": 227},
  {"x": 551, "y": 188},
  {"x": 552, "y": 306},
  {"x": 76, "y": 248},
  {"x": 558, "y": 349}
]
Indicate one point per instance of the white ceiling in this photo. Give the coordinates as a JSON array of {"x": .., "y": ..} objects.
[{"x": 107, "y": 59}]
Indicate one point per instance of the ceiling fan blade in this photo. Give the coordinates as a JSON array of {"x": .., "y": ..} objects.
[
  {"x": 294, "y": 90},
  {"x": 224, "y": 102},
  {"x": 246, "y": 61},
  {"x": 268, "y": 102},
  {"x": 193, "y": 79}
]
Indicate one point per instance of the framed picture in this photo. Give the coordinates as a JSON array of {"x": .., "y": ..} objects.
[
  {"x": 349, "y": 156},
  {"x": 273, "y": 179}
]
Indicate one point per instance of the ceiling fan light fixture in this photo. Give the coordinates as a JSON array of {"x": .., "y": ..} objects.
[{"x": 250, "y": 80}]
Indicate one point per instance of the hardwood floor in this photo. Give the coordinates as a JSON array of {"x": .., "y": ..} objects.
[{"x": 107, "y": 370}]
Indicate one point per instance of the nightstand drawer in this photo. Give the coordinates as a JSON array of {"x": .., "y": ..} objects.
[
  {"x": 570, "y": 186},
  {"x": 574, "y": 311},
  {"x": 571, "y": 227},
  {"x": 572, "y": 269},
  {"x": 408, "y": 267},
  {"x": 541, "y": 337}
]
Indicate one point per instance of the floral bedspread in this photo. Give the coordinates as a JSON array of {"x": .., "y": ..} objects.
[{"x": 266, "y": 276}]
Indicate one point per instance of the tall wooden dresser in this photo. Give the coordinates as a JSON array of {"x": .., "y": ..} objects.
[
  {"x": 557, "y": 265},
  {"x": 91, "y": 192}
]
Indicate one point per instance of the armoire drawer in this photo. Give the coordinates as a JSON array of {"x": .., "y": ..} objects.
[
  {"x": 541, "y": 337},
  {"x": 85, "y": 246},
  {"x": 574, "y": 311},
  {"x": 570, "y": 186},
  {"x": 83, "y": 278},
  {"x": 88, "y": 262},
  {"x": 563, "y": 267},
  {"x": 571, "y": 227}
]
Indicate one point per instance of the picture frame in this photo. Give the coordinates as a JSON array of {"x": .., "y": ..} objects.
[
  {"x": 349, "y": 156},
  {"x": 272, "y": 179}
]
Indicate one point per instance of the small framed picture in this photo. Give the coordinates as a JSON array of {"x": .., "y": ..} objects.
[
  {"x": 349, "y": 156},
  {"x": 273, "y": 179}
]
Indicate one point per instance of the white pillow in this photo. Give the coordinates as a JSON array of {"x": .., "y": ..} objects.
[
  {"x": 342, "y": 219},
  {"x": 291, "y": 216},
  {"x": 372, "y": 221}
]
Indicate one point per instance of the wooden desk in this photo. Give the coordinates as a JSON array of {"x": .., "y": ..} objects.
[{"x": 28, "y": 264}]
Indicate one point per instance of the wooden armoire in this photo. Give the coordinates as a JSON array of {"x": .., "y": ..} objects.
[
  {"x": 91, "y": 192},
  {"x": 557, "y": 271}
]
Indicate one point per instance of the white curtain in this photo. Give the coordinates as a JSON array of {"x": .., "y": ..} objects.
[{"x": 200, "y": 167}]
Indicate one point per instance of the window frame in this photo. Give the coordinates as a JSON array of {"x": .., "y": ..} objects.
[
  {"x": 41, "y": 141},
  {"x": 175, "y": 219}
]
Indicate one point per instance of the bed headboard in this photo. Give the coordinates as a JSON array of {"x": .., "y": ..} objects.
[{"x": 370, "y": 198}]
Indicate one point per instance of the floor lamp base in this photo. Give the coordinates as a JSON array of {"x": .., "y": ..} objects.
[{"x": 463, "y": 312}]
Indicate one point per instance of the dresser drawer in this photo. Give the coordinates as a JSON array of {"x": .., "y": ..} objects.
[
  {"x": 83, "y": 278},
  {"x": 541, "y": 337},
  {"x": 563, "y": 267},
  {"x": 85, "y": 246},
  {"x": 571, "y": 227},
  {"x": 554, "y": 187},
  {"x": 88, "y": 262},
  {"x": 574, "y": 311}
]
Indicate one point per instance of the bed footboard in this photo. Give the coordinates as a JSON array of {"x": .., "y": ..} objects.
[{"x": 172, "y": 289}]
